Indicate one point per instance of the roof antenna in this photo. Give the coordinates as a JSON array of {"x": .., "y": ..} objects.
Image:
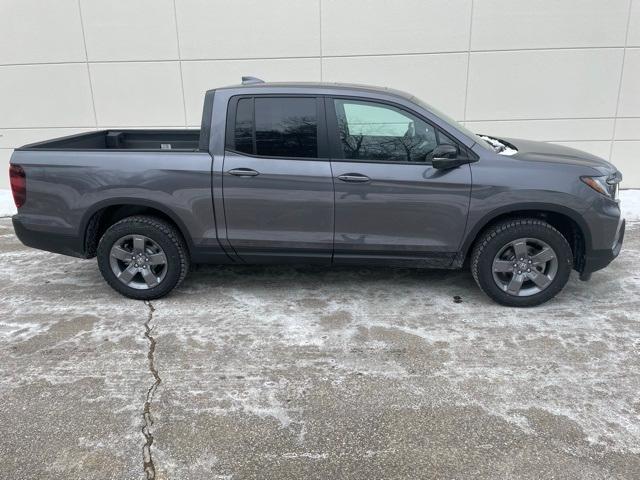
[{"x": 251, "y": 80}]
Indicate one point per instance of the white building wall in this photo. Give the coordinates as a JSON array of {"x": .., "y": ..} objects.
[{"x": 561, "y": 71}]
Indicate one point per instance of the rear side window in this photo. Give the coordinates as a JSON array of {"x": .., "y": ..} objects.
[
  {"x": 244, "y": 126},
  {"x": 277, "y": 127}
]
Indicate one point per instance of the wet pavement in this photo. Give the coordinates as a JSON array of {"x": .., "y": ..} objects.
[{"x": 314, "y": 373}]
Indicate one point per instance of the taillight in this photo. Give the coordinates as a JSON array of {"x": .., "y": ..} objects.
[{"x": 18, "y": 184}]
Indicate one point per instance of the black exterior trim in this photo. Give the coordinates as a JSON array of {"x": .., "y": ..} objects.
[
  {"x": 50, "y": 242},
  {"x": 444, "y": 260},
  {"x": 207, "y": 118},
  {"x": 598, "y": 259}
]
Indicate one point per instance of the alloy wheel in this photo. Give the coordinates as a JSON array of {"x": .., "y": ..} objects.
[
  {"x": 138, "y": 262},
  {"x": 525, "y": 267}
]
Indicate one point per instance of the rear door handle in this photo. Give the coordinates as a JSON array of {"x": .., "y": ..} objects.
[
  {"x": 243, "y": 172},
  {"x": 354, "y": 178}
]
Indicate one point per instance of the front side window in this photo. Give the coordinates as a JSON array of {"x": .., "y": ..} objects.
[{"x": 374, "y": 131}]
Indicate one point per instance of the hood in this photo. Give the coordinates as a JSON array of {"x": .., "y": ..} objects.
[{"x": 548, "y": 152}]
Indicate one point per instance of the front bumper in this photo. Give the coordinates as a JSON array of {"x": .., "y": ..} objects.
[{"x": 598, "y": 259}]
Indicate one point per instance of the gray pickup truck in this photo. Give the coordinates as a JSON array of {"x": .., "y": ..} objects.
[{"x": 319, "y": 173}]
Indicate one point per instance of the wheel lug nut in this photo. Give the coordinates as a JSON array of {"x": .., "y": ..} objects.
[
  {"x": 528, "y": 269},
  {"x": 521, "y": 258},
  {"x": 519, "y": 272}
]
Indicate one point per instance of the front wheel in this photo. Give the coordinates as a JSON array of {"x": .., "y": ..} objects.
[
  {"x": 522, "y": 262},
  {"x": 142, "y": 257}
]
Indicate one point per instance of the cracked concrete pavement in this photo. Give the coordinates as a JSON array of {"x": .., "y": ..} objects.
[{"x": 281, "y": 372}]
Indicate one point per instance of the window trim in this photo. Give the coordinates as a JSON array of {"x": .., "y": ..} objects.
[
  {"x": 230, "y": 132},
  {"x": 323, "y": 151},
  {"x": 337, "y": 152}
]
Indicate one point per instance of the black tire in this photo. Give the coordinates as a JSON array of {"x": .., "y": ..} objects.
[
  {"x": 497, "y": 237},
  {"x": 165, "y": 235}
]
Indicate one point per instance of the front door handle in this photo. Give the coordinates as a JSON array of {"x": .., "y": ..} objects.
[
  {"x": 243, "y": 172},
  {"x": 354, "y": 178}
]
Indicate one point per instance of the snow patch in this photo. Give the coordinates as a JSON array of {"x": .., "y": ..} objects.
[
  {"x": 498, "y": 146},
  {"x": 262, "y": 404},
  {"x": 21, "y": 330},
  {"x": 7, "y": 207},
  {"x": 630, "y": 205}
]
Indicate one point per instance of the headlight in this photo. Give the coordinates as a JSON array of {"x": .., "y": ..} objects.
[{"x": 607, "y": 186}]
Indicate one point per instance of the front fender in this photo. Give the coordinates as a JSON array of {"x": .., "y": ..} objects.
[{"x": 481, "y": 216}]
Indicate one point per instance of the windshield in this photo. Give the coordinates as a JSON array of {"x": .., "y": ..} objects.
[{"x": 453, "y": 122}]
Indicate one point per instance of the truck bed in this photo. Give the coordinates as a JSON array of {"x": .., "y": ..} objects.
[{"x": 145, "y": 140}]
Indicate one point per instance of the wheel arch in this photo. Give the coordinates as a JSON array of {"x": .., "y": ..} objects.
[
  {"x": 568, "y": 221},
  {"x": 104, "y": 214}
]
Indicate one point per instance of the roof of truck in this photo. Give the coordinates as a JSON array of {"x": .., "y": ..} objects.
[
  {"x": 321, "y": 86},
  {"x": 253, "y": 85}
]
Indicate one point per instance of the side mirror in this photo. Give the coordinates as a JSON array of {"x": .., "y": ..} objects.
[{"x": 446, "y": 156}]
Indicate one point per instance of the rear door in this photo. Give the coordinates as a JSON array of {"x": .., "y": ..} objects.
[
  {"x": 392, "y": 206},
  {"x": 277, "y": 183}
]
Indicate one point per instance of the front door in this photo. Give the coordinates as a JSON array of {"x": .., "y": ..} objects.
[
  {"x": 392, "y": 206},
  {"x": 277, "y": 190}
]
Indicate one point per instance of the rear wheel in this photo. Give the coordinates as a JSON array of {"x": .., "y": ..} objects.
[
  {"x": 522, "y": 262},
  {"x": 142, "y": 257}
]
